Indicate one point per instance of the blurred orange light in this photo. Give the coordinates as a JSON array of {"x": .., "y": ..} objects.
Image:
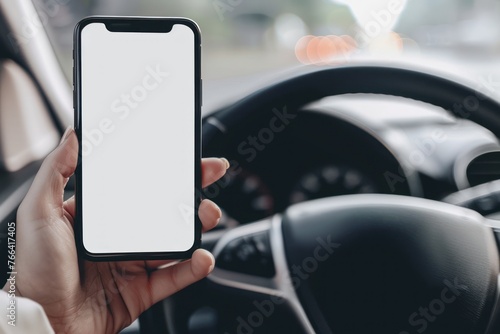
[
  {"x": 322, "y": 50},
  {"x": 301, "y": 49},
  {"x": 328, "y": 48},
  {"x": 312, "y": 50}
]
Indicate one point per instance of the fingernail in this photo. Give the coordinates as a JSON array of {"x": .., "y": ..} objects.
[
  {"x": 226, "y": 163},
  {"x": 213, "y": 264},
  {"x": 219, "y": 211},
  {"x": 66, "y": 134}
]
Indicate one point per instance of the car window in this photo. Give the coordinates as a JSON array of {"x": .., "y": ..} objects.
[{"x": 282, "y": 34}]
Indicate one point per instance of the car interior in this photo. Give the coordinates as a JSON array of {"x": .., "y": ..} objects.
[{"x": 363, "y": 194}]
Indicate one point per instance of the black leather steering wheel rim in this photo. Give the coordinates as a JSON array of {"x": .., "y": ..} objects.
[{"x": 462, "y": 101}]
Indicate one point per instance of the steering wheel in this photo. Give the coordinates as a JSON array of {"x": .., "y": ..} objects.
[{"x": 363, "y": 263}]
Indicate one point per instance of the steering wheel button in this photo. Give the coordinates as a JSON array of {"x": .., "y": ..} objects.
[
  {"x": 248, "y": 255},
  {"x": 245, "y": 251},
  {"x": 261, "y": 242}
]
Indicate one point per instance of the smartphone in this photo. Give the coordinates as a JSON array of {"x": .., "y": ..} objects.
[{"x": 137, "y": 101}]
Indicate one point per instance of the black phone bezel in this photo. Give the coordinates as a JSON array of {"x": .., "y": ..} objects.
[{"x": 135, "y": 24}]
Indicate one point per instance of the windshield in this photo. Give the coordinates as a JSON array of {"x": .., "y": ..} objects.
[{"x": 247, "y": 37}]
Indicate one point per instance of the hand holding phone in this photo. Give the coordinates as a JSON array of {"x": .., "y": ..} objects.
[{"x": 91, "y": 297}]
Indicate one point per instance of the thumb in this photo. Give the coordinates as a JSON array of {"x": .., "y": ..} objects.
[{"x": 46, "y": 192}]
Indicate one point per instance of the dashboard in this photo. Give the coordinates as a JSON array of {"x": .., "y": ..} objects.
[{"x": 339, "y": 146}]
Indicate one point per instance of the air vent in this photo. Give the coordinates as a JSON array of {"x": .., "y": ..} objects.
[{"x": 484, "y": 168}]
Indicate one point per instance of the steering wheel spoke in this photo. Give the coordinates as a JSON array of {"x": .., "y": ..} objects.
[{"x": 252, "y": 258}]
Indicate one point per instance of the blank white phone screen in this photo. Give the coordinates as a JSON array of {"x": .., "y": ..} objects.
[{"x": 138, "y": 140}]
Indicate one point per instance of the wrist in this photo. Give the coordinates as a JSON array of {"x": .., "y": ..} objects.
[
  {"x": 65, "y": 325},
  {"x": 73, "y": 320}
]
